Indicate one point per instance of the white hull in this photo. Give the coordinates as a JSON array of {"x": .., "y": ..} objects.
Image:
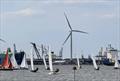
[{"x": 51, "y": 73}]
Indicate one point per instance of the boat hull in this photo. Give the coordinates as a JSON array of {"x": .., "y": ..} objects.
[
  {"x": 108, "y": 62},
  {"x": 6, "y": 69}
]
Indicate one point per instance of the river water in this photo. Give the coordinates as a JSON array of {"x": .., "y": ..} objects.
[{"x": 66, "y": 73}]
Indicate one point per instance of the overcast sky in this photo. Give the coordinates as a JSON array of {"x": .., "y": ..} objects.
[{"x": 43, "y": 22}]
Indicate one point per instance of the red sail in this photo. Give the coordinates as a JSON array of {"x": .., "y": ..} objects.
[
  {"x": 5, "y": 63},
  {"x": 10, "y": 65}
]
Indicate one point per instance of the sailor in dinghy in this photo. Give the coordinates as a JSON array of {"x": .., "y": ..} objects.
[
  {"x": 50, "y": 64},
  {"x": 32, "y": 64},
  {"x": 95, "y": 64}
]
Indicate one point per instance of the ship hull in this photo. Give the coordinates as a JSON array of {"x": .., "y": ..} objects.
[{"x": 108, "y": 62}]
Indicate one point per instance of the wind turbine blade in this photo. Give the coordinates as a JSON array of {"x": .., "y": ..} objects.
[
  {"x": 2, "y": 40},
  {"x": 67, "y": 38},
  {"x": 68, "y": 21},
  {"x": 79, "y": 31}
]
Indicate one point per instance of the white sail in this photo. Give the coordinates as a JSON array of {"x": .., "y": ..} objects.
[
  {"x": 78, "y": 63},
  {"x": 46, "y": 67},
  {"x": 31, "y": 60},
  {"x": 50, "y": 62},
  {"x": 13, "y": 61},
  {"x": 94, "y": 63},
  {"x": 116, "y": 62},
  {"x": 24, "y": 62}
]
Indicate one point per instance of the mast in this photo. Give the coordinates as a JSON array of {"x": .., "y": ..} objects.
[
  {"x": 71, "y": 47},
  {"x": 15, "y": 51}
]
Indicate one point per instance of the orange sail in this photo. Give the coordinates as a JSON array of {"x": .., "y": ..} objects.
[
  {"x": 10, "y": 65},
  {"x": 5, "y": 63}
]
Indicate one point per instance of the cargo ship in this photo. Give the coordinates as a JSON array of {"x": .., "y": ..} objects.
[{"x": 107, "y": 57}]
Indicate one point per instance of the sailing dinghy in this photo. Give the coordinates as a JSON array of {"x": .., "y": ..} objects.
[
  {"x": 116, "y": 66},
  {"x": 78, "y": 64},
  {"x": 14, "y": 62},
  {"x": 44, "y": 61},
  {"x": 6, "y": 64},
  {"x": 95, "y": 64},
  {"x": 24, "y": 64},
  {"x": 32, "y": 64},
  {"x": 51, "y": 65}
]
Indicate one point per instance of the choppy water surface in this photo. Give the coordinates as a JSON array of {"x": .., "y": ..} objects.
[{"x": 86, "y": 73}]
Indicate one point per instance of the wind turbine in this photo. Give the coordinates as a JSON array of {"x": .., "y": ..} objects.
[{"x": 70, "y": 35}]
